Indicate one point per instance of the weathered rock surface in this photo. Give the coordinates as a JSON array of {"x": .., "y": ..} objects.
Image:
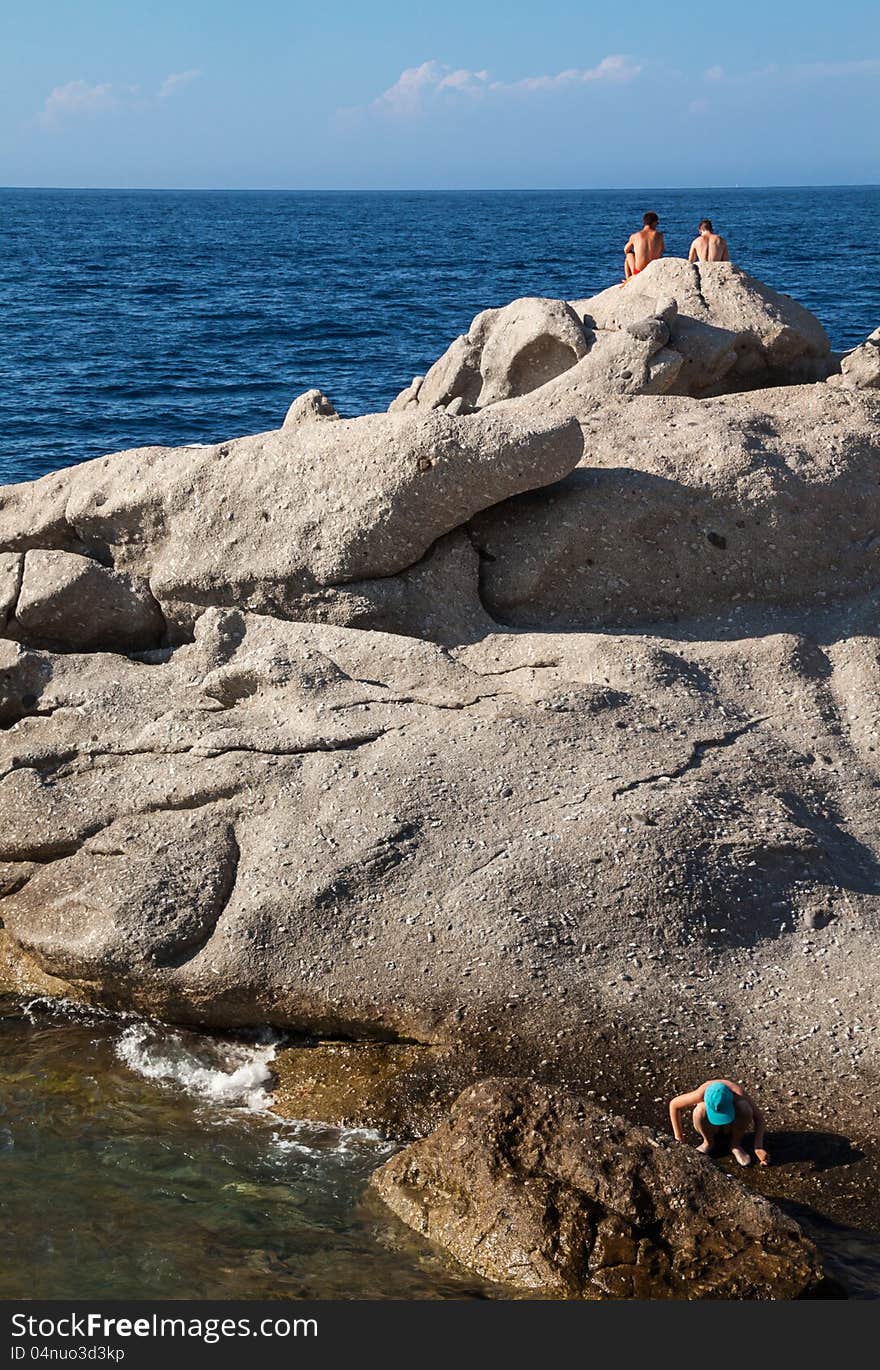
[
  {"x": 438, "y": 598},
  {"x": 682, "y": 507},
  {"x": 547, "y": 846},
  {"x": 105, "y": 911},
  {"x": 71, "y": 601},
  {"x": 310, "y": 407},
  {"x": 23, "y": 675},
  {"x": 860, "y": 369},
  {"x": 537, "y": 1189},
  {"x": 632, "y": 839},
  {"x": 11, "y": 566},
  {"x": 619, "y": 364},
  {"x": 270, "y": 522},
  {"x": 720, "y": 330},
  {"x": 506, "y": 352},
  {"x": 731, "y": 330}
]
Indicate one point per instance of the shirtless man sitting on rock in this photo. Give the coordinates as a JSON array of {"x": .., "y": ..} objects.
[
  {"x": 709, "y": 246},
  {"x": 642, "y": 247},
  {"x": 723, "y": 1115}
]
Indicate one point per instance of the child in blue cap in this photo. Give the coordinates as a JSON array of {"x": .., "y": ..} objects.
[{"x": 723, "y": 1115}]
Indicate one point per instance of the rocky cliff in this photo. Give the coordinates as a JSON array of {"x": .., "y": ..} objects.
[{"x": 535, "y": 720}]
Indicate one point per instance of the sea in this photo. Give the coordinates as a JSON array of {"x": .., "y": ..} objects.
[
  {"x": 138, "y": 1160},
  {"x": 136, "y": 317}
]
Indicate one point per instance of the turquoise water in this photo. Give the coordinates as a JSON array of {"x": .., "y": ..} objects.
[{"x": 140, "y": 1162}]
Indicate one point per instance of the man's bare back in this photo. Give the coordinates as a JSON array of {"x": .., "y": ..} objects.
[
  {"x": 709, "y": 246},
  {"x": 643, "y": 247}
]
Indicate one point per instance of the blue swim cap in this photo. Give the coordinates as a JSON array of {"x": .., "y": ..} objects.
[{"x": 720, "y": 1104}]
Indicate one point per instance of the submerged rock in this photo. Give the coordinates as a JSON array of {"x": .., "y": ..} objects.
[
  {"x": 400, "y": 1088},
  {"x": 537, "y": 1189}
]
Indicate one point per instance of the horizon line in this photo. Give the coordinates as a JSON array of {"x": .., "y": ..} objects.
[{"x": 441, "y": 190}]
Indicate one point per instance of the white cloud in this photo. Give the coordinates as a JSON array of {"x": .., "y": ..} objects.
[
  {"x": 615, "y": 68},
  {"x": 417, "y": 87},
  {"x": 177, "y": 80},
  {"x": 416, "y": 83},
  {"x": 77, "y": 98},
  {"x": 714, "y": 74}
]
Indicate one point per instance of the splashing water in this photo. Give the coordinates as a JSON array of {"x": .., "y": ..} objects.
[
  {"x": 140, "y": 1161},
  {"x": 234, "y": 1074}
]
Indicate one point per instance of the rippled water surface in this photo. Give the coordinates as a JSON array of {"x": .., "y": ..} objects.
[
  {"x": 138, "y": 1162},
  {"x": 144, "y": 317}
]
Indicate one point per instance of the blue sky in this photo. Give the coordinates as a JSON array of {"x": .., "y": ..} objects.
[{"x": 470, "y": 93}]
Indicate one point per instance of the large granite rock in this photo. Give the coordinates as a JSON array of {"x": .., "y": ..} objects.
[
  {"x": 505, "y": 352},
  {"x": 272, "y": 522},
  {"x": 682, "y": 507},
  {"x": 536, "y": 1189},
  {"x": 716, "y": 330},
  {"x": 731, "y": 330},
  {"x": 509, "y": 845},
  {"x": 339, "y": 797}
]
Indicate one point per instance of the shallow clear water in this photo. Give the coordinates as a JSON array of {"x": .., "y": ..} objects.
[
  {"x": 138, "y": 1163},
  {"x": 137, "y": 317}
]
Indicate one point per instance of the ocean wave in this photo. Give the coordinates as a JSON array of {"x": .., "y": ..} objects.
[
  {"x": 232, "y": 1078},
  {"x": 229, "y": 1074}
]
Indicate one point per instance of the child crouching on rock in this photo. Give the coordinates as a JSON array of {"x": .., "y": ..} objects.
[{"x": 723, "y": 1115}]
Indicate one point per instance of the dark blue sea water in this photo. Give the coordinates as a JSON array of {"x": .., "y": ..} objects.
[{"x": 171, "y": 317}]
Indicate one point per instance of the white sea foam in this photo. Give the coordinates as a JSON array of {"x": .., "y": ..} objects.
[
  {"x": 37, "y": 1011},
  {"x": 230, "y": 1074},
  {"x": 303, "y": 1137}
]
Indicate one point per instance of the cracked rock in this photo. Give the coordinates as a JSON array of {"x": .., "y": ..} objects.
[
  {"x": 72, "y": 601},
  {"x": 539, "y": 1190}
]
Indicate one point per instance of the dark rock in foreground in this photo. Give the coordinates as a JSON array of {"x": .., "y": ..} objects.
[{"x": 537, "y": 1189}]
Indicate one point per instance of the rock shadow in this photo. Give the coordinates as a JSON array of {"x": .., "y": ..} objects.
[
  {"x": 850, "y": 1255},
  {"x": 760, "y": 890},
  {"x": 616, "y": 548}
]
